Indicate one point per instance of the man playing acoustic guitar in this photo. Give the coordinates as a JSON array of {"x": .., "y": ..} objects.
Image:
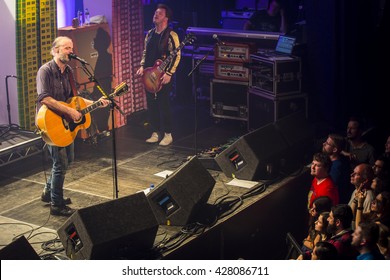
[
  {"x": 55, "y": 85},
  {"x": 160, "y": 42}
]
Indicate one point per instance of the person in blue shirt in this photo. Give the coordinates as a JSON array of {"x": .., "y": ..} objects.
[{"x": 364, "y": 239}]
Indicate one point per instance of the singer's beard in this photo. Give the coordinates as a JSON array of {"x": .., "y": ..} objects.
[{"x": 64, "y": 58}]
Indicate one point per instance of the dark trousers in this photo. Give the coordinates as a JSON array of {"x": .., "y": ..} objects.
[{"x": 159, "y": 109}]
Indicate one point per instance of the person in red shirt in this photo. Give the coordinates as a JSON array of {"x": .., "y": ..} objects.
[{"x": 322, "y": 184}]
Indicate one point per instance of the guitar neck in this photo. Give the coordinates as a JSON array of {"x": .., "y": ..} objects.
[
  {"x": 165, "y": 63},
  {"x": 91, "y": 107},
  {"x": 119, "y": 90},
  {"x": 168, "y": 60}
]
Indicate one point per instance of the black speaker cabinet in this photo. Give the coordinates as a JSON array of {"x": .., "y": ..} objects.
[
  {"x": 256, "y": 155},
  {"x": 264, "y": 108},
  {"x": 278, "y": 147},
  {"x": 121, "y": 228},
  {"x": 228, "y": 99},
  {"x": 179, "y": 199},
  {"x": 19, "y": 249}
]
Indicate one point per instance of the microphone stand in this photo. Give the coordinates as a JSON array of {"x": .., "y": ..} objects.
[
  {"x": 113, "y": 106},
  {"x": 10, "y": 124},
  {"x": 194, "y": 67}
]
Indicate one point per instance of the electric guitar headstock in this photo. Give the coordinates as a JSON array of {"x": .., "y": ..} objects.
[
  {"x": 120, "y": 89},
  {"x": 189, "y": 39}
]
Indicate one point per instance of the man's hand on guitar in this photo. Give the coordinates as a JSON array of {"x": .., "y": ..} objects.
[
  {"x": 165, "y": 79},
  {"x": 105, "y": 102},
  {"x": 74, "y": 114},
  {"x": 140, "y": 72}
]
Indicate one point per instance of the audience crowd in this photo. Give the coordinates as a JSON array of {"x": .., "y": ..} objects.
[{"x": 349, "y": 199}]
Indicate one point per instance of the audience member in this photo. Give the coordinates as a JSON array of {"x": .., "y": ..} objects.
[
  {"x": 364, "y": 239},
  {"x": 387, "y": 148},
  {"x": 381, "y": 168},
  {"x": 272, "y": 19},
  {"x": 357, "y": 149},
  {"x": 379, "y": 209},
  {"x": 340, "y": 221},
  {"x": 322, "y": 184},
  {"x": 339, "y": 227},
  {"x": 320, "y": 204},
  {"x": 319, "y": 232},
  {"x": 340, "y": 168},
  {"x": 324, "y": 251},
  {"x": 384, "y": 241},
  {"x": 378, "y": 185},
  {"x": 361, "y": 178}
]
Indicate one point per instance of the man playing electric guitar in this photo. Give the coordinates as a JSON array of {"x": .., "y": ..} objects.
[
  {"x": 160, "y": 42},
  {"x": 55, "y": 85}
]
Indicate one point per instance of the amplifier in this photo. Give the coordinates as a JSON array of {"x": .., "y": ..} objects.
[
  {"x": 231, "y": 71},
  {"x": 276, "y": 76},
  {"x": 233, "y": 52},
  {"x": 229, "y": 99}
]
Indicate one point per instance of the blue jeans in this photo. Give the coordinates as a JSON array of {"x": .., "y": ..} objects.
[{"x": 61, "y": 157}]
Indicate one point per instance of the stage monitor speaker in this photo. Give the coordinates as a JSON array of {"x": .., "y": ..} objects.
[
  {"x": 180, "y": 198},
  {"x": 254, "y": 156},
  {"x": 299, "y": 136},
  {"x": 123, "y": 228},
  {"x": 19, "y": 249}
]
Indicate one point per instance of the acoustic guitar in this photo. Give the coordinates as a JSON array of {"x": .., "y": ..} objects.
[
  {"x": 151, "y": 78},
  {"x": 58, "y": 130}
]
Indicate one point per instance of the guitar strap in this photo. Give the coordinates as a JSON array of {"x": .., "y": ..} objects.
[{"x": 72, "y": 82}]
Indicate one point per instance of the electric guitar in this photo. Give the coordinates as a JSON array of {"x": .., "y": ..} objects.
[
  {"x": 151, "y": 77},
  {"x": 58, "y": 130}
]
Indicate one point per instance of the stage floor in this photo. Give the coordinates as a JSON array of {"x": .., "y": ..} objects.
[
  {"x": 91, "y": 178},
  {"x": 94, "y": 178}
]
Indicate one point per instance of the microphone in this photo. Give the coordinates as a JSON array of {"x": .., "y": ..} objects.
[
  {"x": 72, "y": 55},
  {"x": 215, "y": 37}
]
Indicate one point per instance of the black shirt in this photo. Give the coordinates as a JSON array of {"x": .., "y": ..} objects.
[
  {"x": 261, "y": 21},
  {"x": 152, "y": 50}
]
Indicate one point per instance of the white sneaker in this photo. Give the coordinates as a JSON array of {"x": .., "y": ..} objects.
[
  {"x": 167, "y": 140},
  {"x": 153, "y": 138}
]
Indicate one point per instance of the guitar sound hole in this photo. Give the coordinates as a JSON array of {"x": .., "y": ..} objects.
[{"x": 73, "y": 125}]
